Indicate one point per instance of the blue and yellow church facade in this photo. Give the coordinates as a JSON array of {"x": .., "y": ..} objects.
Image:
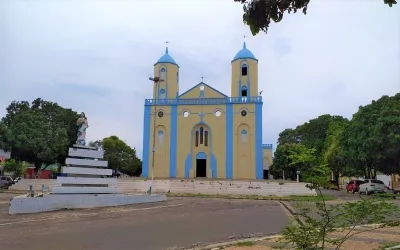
[{"x": 203, "y": 132}]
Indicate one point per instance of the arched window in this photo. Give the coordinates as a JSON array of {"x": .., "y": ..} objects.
[
  {"x": 160, "y": 137},
  {"x": 244, "y": 136},
  {"x": 162, "y": 93},
  {"x": 206, "y": 138},
  {"x": 244, "y": 70},
  {"x": 197, "y": 139},
  {"x": 244, "y": 91},
  {"x": 201, "y": 135},
  {"x": 163, "y": 74}
]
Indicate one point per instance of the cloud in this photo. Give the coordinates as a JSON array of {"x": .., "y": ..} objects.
[{"x": 96, "y": 57}]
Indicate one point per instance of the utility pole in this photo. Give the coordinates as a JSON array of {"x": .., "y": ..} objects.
[{"x": 156, "y": 80}]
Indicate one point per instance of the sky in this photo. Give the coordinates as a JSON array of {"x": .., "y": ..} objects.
[{"x": 96, "y": 57}]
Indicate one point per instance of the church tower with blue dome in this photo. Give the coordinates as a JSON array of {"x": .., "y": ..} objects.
[
  {"x": 244, "y": 74},
  {"x": 168, "y": 70},
  {"x": 202, "y": 132}
]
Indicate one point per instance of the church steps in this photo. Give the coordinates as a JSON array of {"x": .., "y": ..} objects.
[{"x": 193, "y": 187}]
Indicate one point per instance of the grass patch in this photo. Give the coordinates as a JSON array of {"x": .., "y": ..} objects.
[
  {"x": 245, "y": 244},
  {"x": 254, "y": 197},
  {"x": 388, "y": 245}
]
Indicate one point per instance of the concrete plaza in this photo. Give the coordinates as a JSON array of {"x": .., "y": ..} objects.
[{"x": 178, "y": 223}]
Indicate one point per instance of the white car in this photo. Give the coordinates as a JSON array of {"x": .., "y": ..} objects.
[{"x": 372, "y": 186}]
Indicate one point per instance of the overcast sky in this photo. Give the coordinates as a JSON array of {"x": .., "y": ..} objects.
[{"x": 96, "y": 56}]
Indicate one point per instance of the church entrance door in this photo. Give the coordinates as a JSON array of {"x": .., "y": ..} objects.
[{"x": 201, "y": 167}]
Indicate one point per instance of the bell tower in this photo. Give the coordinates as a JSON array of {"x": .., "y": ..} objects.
[
  {"x": 244, "y": 74},
  {"x": 168, "y": 71}
]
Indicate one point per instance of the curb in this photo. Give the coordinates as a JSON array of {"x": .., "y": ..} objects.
[{"x": 229, "y": 243}]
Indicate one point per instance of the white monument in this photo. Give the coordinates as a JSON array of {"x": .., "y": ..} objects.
[{"x": 83, "y": 185}]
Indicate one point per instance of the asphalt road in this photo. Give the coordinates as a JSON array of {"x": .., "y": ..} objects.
[{"x": 179, "y": 223}]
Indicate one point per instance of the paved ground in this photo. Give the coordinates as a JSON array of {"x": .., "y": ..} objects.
[{"x": 181, "y": 222}]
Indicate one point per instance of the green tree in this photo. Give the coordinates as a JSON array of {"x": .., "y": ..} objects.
[
  {"x": 258, "y": 14},
  {"x": 371, "y": 141},
  {"x": 315, "y": 224},
  {"x": 120, "y": 156},
  {"x": 14, "y": 167},
  {"x": 292, "y": 157},
  {"x": 38, "y": 133},
  {"x": 288, "y": 136}
]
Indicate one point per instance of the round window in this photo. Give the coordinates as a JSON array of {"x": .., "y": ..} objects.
[
  {"x": 160, "y": 114},
  {"x": 243, "y": 113},
  {"x": 185, "y": 113},
  {"x": 201, "y": 87},
  {"x": 218, "y": 113}
]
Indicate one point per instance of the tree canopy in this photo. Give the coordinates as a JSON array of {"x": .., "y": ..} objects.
[
  {"x": 119, "y": 155},
  {"x": 367, "y": 144},
  {"x": 258, "y": 14},
  {"x": 39, "y": 132}
]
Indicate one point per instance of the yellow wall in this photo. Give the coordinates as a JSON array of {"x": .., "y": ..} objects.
[
  {"x": 170, "y": 78},
  {"x": 243, "y": 153},
  {"x": 208, "y": 92},
  {"x": 186, "y": 138},
  {"x": 252, "y": 76},
  {"x": 267, "y": 158},
  {"x": 162, "y": 154}
]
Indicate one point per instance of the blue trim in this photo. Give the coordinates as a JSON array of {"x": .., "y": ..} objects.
[
  {"x": 201, "y": 156},
  {"x": 244, "y": 132},
  {"x": 258, "y": 142},
  {"x": 229, "y": 141},
  {"x": 166, "y": 58},
  {"x": 146, "y": 141},
  {"x": 244, "y": 53},
  {"x": 203, "y": 101},
  {"x": 205, "y": 85},
  {"x": 188, "y": 165},
  {"x": 213, "y": 160},
  {"x": 160, "y": 68},
  {"x": 266, "y": 146},
  {"x": 213, "y": 166},
  {"x": 201, "y": 93},
  {"x": 173, "y": 142}
]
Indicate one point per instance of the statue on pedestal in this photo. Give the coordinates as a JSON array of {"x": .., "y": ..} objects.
[{"x": 82, "y": 124}]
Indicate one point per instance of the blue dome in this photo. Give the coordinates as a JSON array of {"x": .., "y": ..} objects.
[
  {"x": 166, "y": 58},
  {"x": 244, "y": 54}
]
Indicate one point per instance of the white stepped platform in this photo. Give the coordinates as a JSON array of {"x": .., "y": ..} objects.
[
  {"x": 86, "y": 162},
  {"x": 87, "y": 153},
  {"x": 84, "y": 147},
  {"x": 83, "y": 180},
  {"x": 84, "y": 190},
  {"x": 23, "y": 205},
  {"x": 90, "y": 171}
]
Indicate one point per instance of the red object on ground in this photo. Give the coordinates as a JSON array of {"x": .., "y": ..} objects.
[{"x": 42, "y": 174}]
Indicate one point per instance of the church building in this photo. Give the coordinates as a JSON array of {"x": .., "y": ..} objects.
[{"x": 203, "y": 132}]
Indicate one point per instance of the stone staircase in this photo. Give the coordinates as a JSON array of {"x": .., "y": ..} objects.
[{"x": 212, "y": 187}]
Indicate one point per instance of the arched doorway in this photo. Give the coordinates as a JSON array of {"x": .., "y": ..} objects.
[{"x": 201, "y": 165}]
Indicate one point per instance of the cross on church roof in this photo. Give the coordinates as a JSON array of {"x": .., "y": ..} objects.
[{"x": 202, "y": 77}]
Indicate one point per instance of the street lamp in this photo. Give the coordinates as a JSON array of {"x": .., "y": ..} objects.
[{"x": 156, "y": 80}]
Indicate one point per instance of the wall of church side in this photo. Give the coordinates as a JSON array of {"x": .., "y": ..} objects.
[
  {"x": 162, "y": 142},
  {"x": 267, "y": 157},
  {"x": 201, "y": 116},
  {"x": 244, "y": 141}
]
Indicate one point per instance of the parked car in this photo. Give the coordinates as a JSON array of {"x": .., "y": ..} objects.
[
  {"x": 6, "y": 182},
  {"x": 372, "y": 186},
  {"x": 354, "y": 186}
]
